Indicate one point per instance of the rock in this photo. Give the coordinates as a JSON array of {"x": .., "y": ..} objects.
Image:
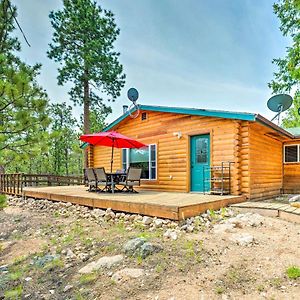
[
  {"x": 295, "y": 204},
  {"x": 126, "y": 274},
  {"x": 149, "y": 248},
  {"x": 158, "y": 222},
  {"x": 222, "y": 228},
  {"x": 133, "y": 245},
  {"x": 247, "y": 219},
  {"x": 103, "y": 262},
  {"x": 172, "y": 234},
  {"x": 146, "y": 220},
  {"x": 68, "y": 288},
  {"x": 83, "y": 256},
  {"x": 28, "y": 279},
  {"x": 295, "y": 199},
  {"x": 243, "y": 239},
  {"x": 70, "y": 254}
]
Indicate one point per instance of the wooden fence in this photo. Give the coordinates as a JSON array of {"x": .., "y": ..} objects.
[{"x": 13, "y": 184}]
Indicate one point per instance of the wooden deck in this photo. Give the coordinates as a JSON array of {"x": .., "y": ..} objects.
[{"x": 169, "y": 205}]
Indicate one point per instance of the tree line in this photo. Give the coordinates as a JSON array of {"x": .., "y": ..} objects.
[
  {"x": 37, "y": 135},
  {"x": 40, "y": 136}
]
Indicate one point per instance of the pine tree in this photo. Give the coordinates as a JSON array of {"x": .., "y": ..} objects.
[
  {"x": 83, "y": 44},
  {"x": 23, "y": 103}
]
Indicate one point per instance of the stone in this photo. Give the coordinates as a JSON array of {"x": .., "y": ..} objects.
[
  {"x": 83, "y": 256},
  {"x": 104, "y": 262},
  {"x": 28, "y": 279},
  {"x": 68, "y": 288},
  {"x": 242, "y": 239},
  {"x": 295, "y": 199},
  {"x": 127, "y": 273},
  {"x": 149, "y": 248},
  {"x": 247, "y": 219},
  {"x": 158, "y": 222},
  {"x": 133, "y": 245},
  {"x": 70, "y": 254},
  {"x": 146, "y": 220},
  {"x": 172, "y": 234},
  {"x": 296, "y": 204},
  {"x": 222, "y": 228}
]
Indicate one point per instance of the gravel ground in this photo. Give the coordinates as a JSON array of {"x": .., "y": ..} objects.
[{"x": 217, "y": 255}]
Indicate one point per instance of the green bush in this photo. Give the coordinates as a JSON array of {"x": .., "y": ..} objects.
[
  {"x": 293, "y": 272},
  {"x": 3, "y": 202}
]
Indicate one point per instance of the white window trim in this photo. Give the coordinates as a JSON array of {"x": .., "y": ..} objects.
[
  {"x": 298, "y": 154},
  {"x": 149, "y": 161}
]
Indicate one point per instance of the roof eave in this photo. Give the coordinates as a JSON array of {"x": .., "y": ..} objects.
[{"x": 259, "y": 118}]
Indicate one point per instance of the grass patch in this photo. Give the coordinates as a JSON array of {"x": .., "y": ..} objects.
[
  {"x": 88, "y": 278},
  {"x": 15, "y": 275},
  {"x": 14, "y": 294},
  {"x": 293, "y": 272},
  {"x": 54, "y": 264},
  {"x": 219, "y": 290},
  {"x": 3, "y": 201},
  {"x": 276, "y": 282}
]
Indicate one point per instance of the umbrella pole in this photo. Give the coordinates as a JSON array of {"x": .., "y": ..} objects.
[{"x": 112, "y": 158}]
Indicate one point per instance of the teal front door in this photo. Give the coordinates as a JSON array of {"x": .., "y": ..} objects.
[{"x": 200, "y": 158}]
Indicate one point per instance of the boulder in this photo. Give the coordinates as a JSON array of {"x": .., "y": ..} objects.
[
  {"x": 146, "y": 220},
  {"x": 104, "y": 262},
  {"x": 243, "y": 239},
  {"x": 133, "y": 245},
  {"x": 126, "y": 274},
  {"x": 295, "y": 199},
  {"x": 149, "y": 248},
  {"x": 172, "y": 234},
  {"x": 222, "y": 228}
]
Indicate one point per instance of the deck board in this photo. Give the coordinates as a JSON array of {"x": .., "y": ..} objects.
[{"x": 170, "y": 205}]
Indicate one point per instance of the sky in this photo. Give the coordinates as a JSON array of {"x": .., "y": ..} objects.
[{"x": 214, "y": 54}]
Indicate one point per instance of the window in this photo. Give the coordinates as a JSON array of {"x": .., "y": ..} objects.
[
  {"x": 291, "y": 153},
  {"x": 144, "y": 158}
]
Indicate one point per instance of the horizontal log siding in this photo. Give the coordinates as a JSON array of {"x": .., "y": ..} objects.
[
  {"x": 266, "y": 171},
  {"x": 173, "y": 153},
  {"x": 291, "y": 174}
]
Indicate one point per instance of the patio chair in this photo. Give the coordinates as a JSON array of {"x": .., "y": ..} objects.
[
  {"x": 133, "y": 178},
  {"x": 91, "y": 179},
  {"x": 102, "y": 180}
]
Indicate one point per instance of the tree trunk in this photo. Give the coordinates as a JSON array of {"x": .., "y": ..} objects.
[{"x": 86, "y": 112}]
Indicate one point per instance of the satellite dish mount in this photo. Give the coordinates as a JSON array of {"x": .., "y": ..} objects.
[
  {"x": 279, "y": 103},
  {"x": 134, "y": 109}
]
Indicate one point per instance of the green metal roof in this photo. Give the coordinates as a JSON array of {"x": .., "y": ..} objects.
[{"x": 188, "y": 111}]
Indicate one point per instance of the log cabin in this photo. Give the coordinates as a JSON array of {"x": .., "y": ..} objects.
[{"x": 210, "y": 151}]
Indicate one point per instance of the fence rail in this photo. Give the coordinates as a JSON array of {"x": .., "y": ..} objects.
[{"x": 13, "y": 183}]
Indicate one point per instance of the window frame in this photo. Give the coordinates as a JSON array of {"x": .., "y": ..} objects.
[
  {"x": 298, "y": 154},
  {"x": 149, "y": 161}
]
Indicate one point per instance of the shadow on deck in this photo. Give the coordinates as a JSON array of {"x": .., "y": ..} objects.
[{"x": 175, "y": 206}]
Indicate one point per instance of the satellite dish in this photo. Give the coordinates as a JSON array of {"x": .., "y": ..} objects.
[
  {"x": 134, "y": 109},
  {"x": 132, "y": 95},
  {"x": 279, "y": 103}
]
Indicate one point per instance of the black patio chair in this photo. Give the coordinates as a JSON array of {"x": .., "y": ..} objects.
[
  {"x": 91, "y": 179},
  {"x": 102, "y": 180},
  {"x": 133, "y": 178}
]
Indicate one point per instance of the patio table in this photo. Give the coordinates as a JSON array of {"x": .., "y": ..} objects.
[{"x": 115, "y": 178}]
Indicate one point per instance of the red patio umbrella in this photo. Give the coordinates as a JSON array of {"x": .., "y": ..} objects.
[{"x": 111, "y": 139}]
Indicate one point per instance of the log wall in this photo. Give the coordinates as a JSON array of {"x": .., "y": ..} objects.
[
  {"x": 255, "y": 150},
  {"x": 291, "y": 175},
  {"x": 173, "y": 158},
  {"x": 265, "y": 171}
]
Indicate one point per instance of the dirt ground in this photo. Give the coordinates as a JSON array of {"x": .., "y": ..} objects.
[{"x": 34, "y": 263}]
